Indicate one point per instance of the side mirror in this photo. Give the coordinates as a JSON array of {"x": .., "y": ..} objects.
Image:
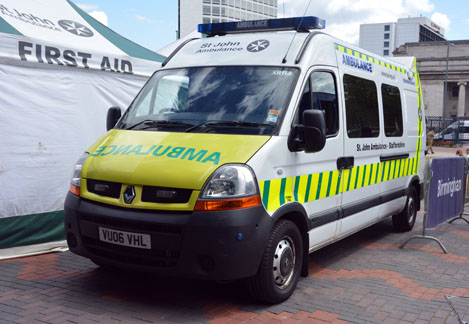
[
  {"x": 311, "y": 136},
  {"x": 314, "y": 130},
  {"x": 113, "y": 115}
]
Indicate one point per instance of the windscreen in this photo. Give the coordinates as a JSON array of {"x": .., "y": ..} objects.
[{"x": 230, "y": 100}]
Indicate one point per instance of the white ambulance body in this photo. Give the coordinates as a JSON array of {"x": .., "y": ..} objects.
[
  {"x": 383, "y": 167},
  {"x": 347, "y": 150}
]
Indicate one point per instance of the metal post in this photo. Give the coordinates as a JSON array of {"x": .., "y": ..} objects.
[{"x": 446, "y": 79}]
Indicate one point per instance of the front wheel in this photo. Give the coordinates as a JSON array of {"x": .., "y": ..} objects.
[
  {"x": 280, "y": 267},
  {"x": 405, "y": 220}
]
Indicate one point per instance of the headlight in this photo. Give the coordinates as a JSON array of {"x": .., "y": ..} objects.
[
  {"x": 75, "y": 182},
  {"x": 230, "y": 187}
]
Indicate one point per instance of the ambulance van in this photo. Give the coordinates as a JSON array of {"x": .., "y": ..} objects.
[{"x": 249, "y": 149}]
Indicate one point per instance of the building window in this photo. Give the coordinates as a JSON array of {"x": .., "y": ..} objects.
[
  {"x": 386, "y": 36},
  {"x": 387, "y": 28},
  {"x": 215, "y": 11},
  {"x": 392, "y": 109},
  {"x": 386, "y": 52},
  {"x": 455, "y": 92},
  {"x": 216, "y": 1},
  {"x": 361, "y": 107},
  {"x": 206, "y": 20},
  {"x": 386, "y": 44},
  {"x": 206, "y": 10}
]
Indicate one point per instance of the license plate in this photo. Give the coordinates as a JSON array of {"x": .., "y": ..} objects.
[{"x": 137, "y": 240}]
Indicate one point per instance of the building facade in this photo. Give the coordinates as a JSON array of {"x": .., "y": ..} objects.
[
  {"x": 431, "y": 62},
  {"x": 384, "y": 38},
  {"x": 194, "y": 12}
]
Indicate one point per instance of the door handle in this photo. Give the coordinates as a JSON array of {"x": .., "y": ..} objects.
[{"x": 345, "y": 162}]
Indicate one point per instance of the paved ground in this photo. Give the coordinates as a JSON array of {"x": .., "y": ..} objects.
[{"x": 362, "y": 279}]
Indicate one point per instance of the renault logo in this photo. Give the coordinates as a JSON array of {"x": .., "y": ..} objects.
[
  {"x": 258, "y": 45},
  {"x": 129, "y": 194},
  {"x": 75, "y": 28}
]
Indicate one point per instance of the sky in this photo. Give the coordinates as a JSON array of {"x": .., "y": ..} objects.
[{"x": 153, "y": 23}]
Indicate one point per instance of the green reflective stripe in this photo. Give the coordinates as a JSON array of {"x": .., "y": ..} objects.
[
  {"x": 265, "y": 194},
  {"x": 349, "y": 179},
  {"x": 364, "y": 175},
  {"x": 383, "y": 170},
  {"x": 283, "y": 184},
  {"x": 371, "y": 174},
  {"x": 297, "y": 186},
  {"x": 377, "y": 172},
  {"x": 125, "y": 45},
  {"x": 319, "y": 186},
  {"x": 389, "y": 170},
  {"x": 328, "y": 192},
  {"x": 337, "y": 190},
  {"x": 356, "y": 178},
  {"x": 397, "y": 165},
  {"x": 308, "y": 187}
]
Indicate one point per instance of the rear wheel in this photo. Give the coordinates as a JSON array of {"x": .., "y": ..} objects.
[
  {"x": 405, "y": 220},
  {"x": 280, "y": 267}
]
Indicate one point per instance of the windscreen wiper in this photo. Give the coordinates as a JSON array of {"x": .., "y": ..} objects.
[
  {"x": 149, "y": 123},
  {"x": 223, "y": 123}
]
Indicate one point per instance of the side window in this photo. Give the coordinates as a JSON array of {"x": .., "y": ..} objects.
[
  {"x": 320, "y": 93},
  {"x": 361, "y": 106},
  {"x": 392, "y": 109},
  {"x": 324, "y": 98}
]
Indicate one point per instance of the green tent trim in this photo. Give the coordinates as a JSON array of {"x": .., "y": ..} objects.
[
  {"x": 31, "y": 229},
  {"x": 7, "y": 28},
  {"x": 125, "y": 45}
]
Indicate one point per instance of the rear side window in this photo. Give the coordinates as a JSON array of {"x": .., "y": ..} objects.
[
  {"x": 361, "y": 106},
  {"x": 392, "y": 109}
]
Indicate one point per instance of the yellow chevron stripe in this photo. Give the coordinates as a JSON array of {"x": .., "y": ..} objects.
[
  {"x": 324, "y": 183},
  {"x": 335, "y": 179},
  {"x": 302, "y": 188},
  {"x": 274, "y": 195},
  {"x": 314, "y": 187}
]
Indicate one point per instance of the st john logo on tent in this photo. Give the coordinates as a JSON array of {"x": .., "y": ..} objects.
[
  {"x": 28, "y": 18},
  {"x": 75, "y": 28}
]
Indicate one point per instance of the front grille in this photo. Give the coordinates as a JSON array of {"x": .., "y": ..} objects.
[
  {"x": 104, "y": 188},
  {"x": 165, "y": 195}
]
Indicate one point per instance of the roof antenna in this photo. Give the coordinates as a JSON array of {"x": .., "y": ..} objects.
[{"x": 299, "y": 26}]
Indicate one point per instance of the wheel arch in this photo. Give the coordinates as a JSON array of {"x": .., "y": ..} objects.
[{"x": 296, "y": 213}]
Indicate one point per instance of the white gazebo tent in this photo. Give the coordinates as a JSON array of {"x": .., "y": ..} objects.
[{"x": 60, "y": 71}]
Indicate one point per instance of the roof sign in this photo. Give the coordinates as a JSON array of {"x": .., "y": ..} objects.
[{"x": 294, "y": 23}]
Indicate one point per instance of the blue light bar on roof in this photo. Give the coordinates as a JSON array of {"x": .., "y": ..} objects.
[{"x": 295, "y": 23}]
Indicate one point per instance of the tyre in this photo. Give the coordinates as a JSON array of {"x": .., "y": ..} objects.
[
  {"x": 280, "y": 267},
  {"x": 405, "y": 220}
]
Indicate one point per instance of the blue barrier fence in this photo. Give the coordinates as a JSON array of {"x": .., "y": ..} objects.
[
  {"x": 445, "y": 184},
  {"x": 446, "y": 192}
]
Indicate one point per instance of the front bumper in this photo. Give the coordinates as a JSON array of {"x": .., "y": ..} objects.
[{"x": 203, "y": 245}]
